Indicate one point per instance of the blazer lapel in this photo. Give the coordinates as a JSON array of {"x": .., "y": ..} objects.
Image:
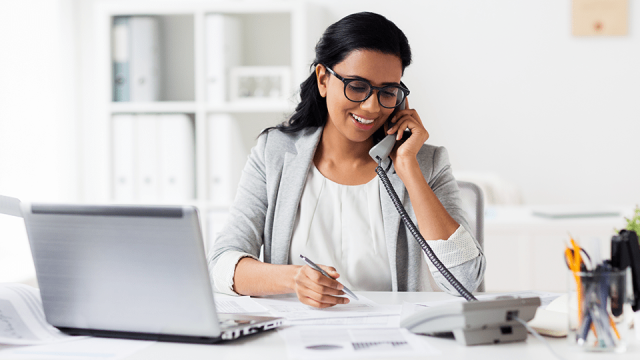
[
  {"x": 294, "y": 174},
  {"x": 391, "y": 219}
]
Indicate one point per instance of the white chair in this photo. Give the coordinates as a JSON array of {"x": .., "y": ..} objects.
[{"x": 473, "y": 204}]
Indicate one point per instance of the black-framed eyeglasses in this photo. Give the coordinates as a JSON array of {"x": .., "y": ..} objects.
[{"x": 359, "y": 90}]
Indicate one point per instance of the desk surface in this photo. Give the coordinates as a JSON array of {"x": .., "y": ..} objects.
[{"x": 270, "y": 345}]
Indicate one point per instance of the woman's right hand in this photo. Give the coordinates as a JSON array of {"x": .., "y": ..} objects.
[{"x": 317, "y": 290}]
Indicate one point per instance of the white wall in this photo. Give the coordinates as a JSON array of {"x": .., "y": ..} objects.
[
  {"x": 507, "y": 89},
  {"x": 37, "y": 116},
  {"x": 38, "y": 160}
]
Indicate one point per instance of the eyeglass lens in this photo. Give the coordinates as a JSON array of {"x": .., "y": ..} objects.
[{"x": 389, "y": 96}]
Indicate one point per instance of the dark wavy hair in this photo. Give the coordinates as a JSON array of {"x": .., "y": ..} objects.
[{"x": 360, "y": 31}]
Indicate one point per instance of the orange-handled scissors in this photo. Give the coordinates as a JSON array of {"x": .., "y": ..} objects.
[{"x": 573, "y": 257}]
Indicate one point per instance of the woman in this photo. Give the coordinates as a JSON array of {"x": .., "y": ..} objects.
[{"x": 310, "y": 187}]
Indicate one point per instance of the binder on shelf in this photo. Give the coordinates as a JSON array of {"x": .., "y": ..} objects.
[
  {"x": 120, "y": 53},
  {"x": 223, "y": 50},
  {"x": 136, "y": 58},
  {"x": 147, "y": 184},
  {"x": 227, "y": 156},
  {"x": 153, "y": 158},
  {"x": 122, "y": 142},
  {"x": 177, "y": 157},
  {"x": 145, "y": 58}
]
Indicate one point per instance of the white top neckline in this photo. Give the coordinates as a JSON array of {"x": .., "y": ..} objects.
[{"x": 314, "y": 168}]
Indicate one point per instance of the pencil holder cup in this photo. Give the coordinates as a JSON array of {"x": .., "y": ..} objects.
[{"x": 600, "y": 313}]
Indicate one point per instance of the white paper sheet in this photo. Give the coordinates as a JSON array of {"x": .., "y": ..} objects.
[
  {"x": 289, "y": 307},
  {"x": 237, "y": 305},
  {"x": 330, "y": 343},
  {"x": 545, "y": 297},
  {"x": 82, "y": 349},
  {"x": 383, "y": 321},
  {"x": 10, "y": 206},
  {"x": 22, "y": 320}
]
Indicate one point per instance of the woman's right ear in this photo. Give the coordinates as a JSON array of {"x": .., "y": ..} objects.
[{"x": 321, "y": 78}]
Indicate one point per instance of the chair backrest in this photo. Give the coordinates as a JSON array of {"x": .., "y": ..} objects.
[{"x": 473, "y": 204}]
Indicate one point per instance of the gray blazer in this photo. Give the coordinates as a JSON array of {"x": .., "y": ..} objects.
[{"x": 269, "y": 193}]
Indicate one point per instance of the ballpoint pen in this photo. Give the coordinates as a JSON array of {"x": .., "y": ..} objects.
[{"x": 317, "y": 268}]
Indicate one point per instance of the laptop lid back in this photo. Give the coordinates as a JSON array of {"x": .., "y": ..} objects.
[{"x": 138, "y": 269}]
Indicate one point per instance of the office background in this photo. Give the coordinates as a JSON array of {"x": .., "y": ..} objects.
[{"x": 504, "y": 85}]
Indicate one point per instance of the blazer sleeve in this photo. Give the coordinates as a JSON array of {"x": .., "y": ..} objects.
[
  {"x": 243, "y": 232},
  {"x": 462, "y": 244}
]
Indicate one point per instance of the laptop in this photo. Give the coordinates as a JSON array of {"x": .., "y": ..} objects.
[{"x": 137, "y": 272}]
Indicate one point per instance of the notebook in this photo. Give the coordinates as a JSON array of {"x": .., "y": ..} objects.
[
  {"x": 554, "y": 319},
  {"x": 135, "y": 272}
]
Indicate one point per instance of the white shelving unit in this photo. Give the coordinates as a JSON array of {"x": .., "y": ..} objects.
[{"x": 274, "y": 33}]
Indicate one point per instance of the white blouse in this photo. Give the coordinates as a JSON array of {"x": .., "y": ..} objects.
[{"x": 341, "y": 226}]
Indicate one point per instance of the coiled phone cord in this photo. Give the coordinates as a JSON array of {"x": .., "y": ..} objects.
[{"x": 416, "y": 234}]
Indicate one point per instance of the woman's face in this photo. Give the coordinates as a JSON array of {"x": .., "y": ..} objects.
[{"x": 357, "y": 121}]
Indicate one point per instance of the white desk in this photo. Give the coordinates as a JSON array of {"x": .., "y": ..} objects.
[{"x": 270, "y": 345}]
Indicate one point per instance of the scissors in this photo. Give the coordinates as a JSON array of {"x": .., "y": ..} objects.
[{"x": 574, "y": 259}]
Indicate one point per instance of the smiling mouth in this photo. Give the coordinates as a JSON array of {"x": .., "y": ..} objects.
[{"x": 361, "y": 120}]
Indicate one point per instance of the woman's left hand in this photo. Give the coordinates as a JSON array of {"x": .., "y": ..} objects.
[{"x": 405, "y": 152}]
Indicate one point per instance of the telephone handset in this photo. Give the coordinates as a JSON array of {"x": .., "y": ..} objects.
[{"x": 382, "y": 149}]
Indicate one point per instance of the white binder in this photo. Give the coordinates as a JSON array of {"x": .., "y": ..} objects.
[
  {"x": 147, "y": 159},
  {"x": 120, "y": 54},
  {"x": 145, "y": 58},
  {"x": 223, "y": 49},
  {"x": 227, "y": 157},
  {"x": 177, "y": 158},
  {"x": 123, "y": 157}
]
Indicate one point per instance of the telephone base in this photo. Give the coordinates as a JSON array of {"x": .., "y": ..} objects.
[
  {"x": 492, "y": 335},
  {"x": 476, "y": 322}
]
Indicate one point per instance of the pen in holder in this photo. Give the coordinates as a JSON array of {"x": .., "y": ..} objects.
[{"x": 599, "y": 311}]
